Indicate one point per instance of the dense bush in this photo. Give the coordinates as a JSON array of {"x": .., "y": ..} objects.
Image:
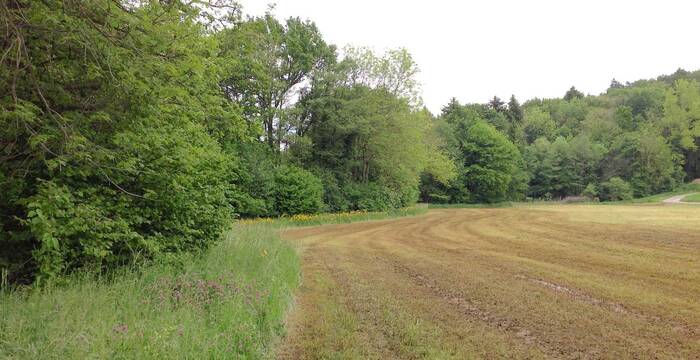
[
  {"x": 297, "y": 191},
  {"x": 109, "y": 136},
  {"x": 371, "y": 197},
  {"x": 176, "y": 202},
  {"x": 253, "y": 185},
  {"x": 591, "y": 191},
  {"x": 616, "y": 189}
]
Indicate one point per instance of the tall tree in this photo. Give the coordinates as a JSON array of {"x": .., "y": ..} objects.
[
  {"x": 614, "y": 84},
  {"x": 497, "y": 104},
  {"x": 515, "y": 111},
  {"x": 681, "y": 122},
  {"x": 573, "y": 94},
  {"x": 270, "y": 63},
  {"x": 106, "y": 134}
]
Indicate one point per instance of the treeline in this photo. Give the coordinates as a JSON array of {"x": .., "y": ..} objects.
[
  {"x": 634, "y": 140},
  {"x": 133, "y": 129}
]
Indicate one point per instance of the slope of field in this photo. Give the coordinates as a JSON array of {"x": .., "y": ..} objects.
[{"x": 551, "y": 281}]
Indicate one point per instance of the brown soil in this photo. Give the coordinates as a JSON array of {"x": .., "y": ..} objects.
[{"x": 550, "y": 282}]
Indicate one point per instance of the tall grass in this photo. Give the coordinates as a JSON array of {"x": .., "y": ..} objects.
[
  {"x": 503, "y": 204},
  {"x": 338, "y": 218},
  {"x": 228, "y": 303},
  {"x": 692, "y": 198}
]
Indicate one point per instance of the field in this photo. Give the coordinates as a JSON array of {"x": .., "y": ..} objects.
[
  {"x": 692, "y": 198},
  {"x": 539, "y": 281}
]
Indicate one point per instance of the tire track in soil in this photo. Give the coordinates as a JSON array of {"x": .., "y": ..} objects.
[{"x": 395, "y": 255}]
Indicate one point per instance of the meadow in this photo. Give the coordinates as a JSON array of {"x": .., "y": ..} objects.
[{"x": 692, "y": 198}]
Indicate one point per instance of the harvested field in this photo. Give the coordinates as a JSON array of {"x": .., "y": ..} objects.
[{"x": 559, "y": 281}]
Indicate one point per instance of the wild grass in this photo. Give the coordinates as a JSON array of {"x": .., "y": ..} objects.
[
  {"x": 692, "y": 198},
  {"x": 683, "y": 189},
  {"x": 337, "y": 218},
  {"x": 504, "y": 204},
  {"x": 228, "y": 303}
]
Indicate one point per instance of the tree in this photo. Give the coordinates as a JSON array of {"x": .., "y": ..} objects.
[
  {"x": 624, "y": 118},
  {"x": 394, "y": 71},
  {"x": 269, "y": 62},
  {"x": 490, "y": 164},
  {"x": 600, "y": 125},
  {"x": 515, "y": 112},
  {"x": 109, "y": 133},
  {"x": 497, "y": 104},
  {"x": 591, "y": 191},
  {"x": 573, "y": 94},
  {"x": 681, "y": 122},
  {"x": 615, "y": 189},
  {"x": 515, "y": 116},
  {"x": 537, "y": 123},
  {"x": 297, "y": 191},
  {"x": 645, "y": 160},
  {"x": 614, "y": 84},
  {"x": 370, "y": 137}
]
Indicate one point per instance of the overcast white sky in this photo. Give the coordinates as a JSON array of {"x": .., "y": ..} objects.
[{"x": 473, "y": 50}]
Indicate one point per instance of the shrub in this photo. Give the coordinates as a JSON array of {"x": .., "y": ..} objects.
[
  {"x": 297, "y": 191},
  {"x": 371, "y": 197},
  {"x": 591, "y": 191},
  {"x": 109, "y": 157},
  {"x": 253, "y": 180},
  {"x": 176, "y": 201},
  {"x": 615, "y": 189}
]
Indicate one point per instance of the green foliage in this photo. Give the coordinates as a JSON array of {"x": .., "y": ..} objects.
[
  {"x": 267, "y": 61},
  {"x": 230, "y": 302},
  {"x": 615, "y": 189},
  {"x": 561, "y": 168},
  {"x": 373, "y": 197},
  {"x": 681, "y": 122},
  {"x": 642, "y": 133},
  {"x": 369, "y": 143},
  {"x": 297, "y": 191},
  {"x": 490, "y": 164},
  {"x": 538, "y": 124},
  {"x": 113, "y": 132},
  {"x": 573, "y": 94},
  {"x": 646, "y": 160},
  {"x": 591, "y": 191},
  {"x": 692, "y": 198},
  {"x": 131, "y": 130}
]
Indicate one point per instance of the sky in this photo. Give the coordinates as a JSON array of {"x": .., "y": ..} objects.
[{"x": 473, "y": 50}]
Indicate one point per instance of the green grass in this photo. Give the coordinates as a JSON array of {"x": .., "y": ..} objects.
[
  {"x": 228, "y": 303},
  {"x": 683, "y": 189},
  {"x": 692, "y": 198},
  {"x": 338, "y": 218},
  {"x": 504, "y": 204}
]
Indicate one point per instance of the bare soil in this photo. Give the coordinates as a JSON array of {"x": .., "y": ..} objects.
[{"x": 564, "y": 281}]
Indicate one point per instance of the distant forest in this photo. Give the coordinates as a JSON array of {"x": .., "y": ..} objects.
[{"x": 131, "y": 129}]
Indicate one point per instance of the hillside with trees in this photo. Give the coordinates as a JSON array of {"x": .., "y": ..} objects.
[
  {"x": 132, "y": 129},
  {"x": 634, "y": 140}
]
